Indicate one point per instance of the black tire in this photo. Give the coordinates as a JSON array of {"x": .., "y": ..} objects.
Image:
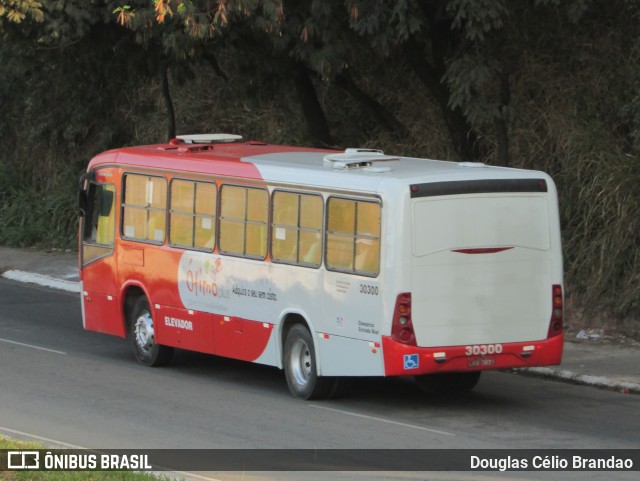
[
  {"x": 448, "y": 382},
  {"x": 142, "y": 336},
  {"x": 465, "y": 381},
  {"x": 300, "y": 367},
  {"x": 433, "y": 383}
]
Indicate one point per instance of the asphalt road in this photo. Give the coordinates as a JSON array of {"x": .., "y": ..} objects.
[{"x": 69, "y": 387}]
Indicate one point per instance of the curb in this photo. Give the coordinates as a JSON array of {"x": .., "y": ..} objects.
[
  {"x": 42, "y": 280},
  {"x": 600, "y": 382}
]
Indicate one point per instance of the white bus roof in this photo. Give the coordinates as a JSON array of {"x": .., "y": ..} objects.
[{"x": 356, "y": 170}]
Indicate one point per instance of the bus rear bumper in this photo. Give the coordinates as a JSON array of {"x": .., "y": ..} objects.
[{"x": 403, "y": 360}]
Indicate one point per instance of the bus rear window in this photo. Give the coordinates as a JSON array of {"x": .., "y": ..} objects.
[{"x": 480, "y": 221}]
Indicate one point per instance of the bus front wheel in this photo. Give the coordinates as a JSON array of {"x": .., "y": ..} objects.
[
  {"x": 300, "y": 366},
  {"x": 142, "y": 336}
]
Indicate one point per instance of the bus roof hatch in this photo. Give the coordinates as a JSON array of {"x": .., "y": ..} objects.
[
  {"x": 358, "y": 158},
  {"x": 208, "y": 138}
]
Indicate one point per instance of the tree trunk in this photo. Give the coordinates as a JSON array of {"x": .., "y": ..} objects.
[
  {"x": 500, "y": 123},
  {"x": 166, "y": 94},
  {"x": 463, "y": 138},
  {"x": 384, "y": 117},
  {"x": 311, "y": 108},
  {"x": 213, "y": 61}
]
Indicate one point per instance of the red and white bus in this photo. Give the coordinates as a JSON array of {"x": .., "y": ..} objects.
[{"x": 325, "y": 264}]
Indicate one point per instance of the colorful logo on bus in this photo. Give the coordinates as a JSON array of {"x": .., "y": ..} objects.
[{"x": 200, "y": 282}]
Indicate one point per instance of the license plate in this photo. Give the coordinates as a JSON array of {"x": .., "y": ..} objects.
[{"x": 481, "y": 362}]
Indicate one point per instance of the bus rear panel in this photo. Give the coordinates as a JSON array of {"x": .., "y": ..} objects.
[{"x": 485, "y": 277}]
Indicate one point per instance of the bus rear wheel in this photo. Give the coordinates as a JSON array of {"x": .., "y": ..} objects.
[
  {"x": 300, "y": 366},
  {"x": 448, "y": 382},
  {"x": 142, "y": 336},
  {"x": 465, "y": 381}
]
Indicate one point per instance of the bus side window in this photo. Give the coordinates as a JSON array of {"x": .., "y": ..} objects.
[
  {"x": 106, "y": 217},
  {"x": 244, "y": 213},
  {"x": 205, "y": 212},
  {"x": 368, "y": 238},
  {"x": 192, "y": 214},
  {"x": 341, "y": 218},
  {"x": 297, "y": 227},
  {"x": 310, "y": 248},
  {"x": 256, "y": 223},
  {"x": 144, "y": 208},
  {"x": 353, "y": 236},
  {"x": 311, "y": 214},
  {"x": 99, "y": 223},
  {"x": 284, "y": 232}
]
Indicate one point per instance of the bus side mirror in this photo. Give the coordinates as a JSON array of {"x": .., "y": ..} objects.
[
  {"x": 83, "y": 200},
  {"x": 83, "y": 188}
]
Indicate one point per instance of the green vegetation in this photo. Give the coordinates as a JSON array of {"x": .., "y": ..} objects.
[
  {"x": 65, "y": 475},
  {"x": 544, "y": 84}
]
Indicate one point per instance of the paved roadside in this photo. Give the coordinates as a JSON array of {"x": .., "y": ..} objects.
[
  {"x": 56, "y": 268},
  {"x": 594, "y": 362},
  {"x": 601, "y": 364}
]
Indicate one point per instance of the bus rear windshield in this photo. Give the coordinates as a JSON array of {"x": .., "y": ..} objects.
[{"x": 480, "y": 221}]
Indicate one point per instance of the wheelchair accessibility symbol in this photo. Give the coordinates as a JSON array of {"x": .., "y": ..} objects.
[{"x": 411, "y": 361}]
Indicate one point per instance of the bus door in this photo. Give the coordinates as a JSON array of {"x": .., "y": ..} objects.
[{"x": 97, "y": 257}]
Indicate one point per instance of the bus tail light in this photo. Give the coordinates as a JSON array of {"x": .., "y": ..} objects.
[
  {"x": 556, "y": 324},
  {"x": 402, "y": 327}
]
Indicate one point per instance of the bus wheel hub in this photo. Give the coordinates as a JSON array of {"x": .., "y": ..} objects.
[{"x": 144, "y": 331}]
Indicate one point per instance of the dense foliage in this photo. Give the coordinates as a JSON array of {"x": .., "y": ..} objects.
[{"x": 544, "y": 84}]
